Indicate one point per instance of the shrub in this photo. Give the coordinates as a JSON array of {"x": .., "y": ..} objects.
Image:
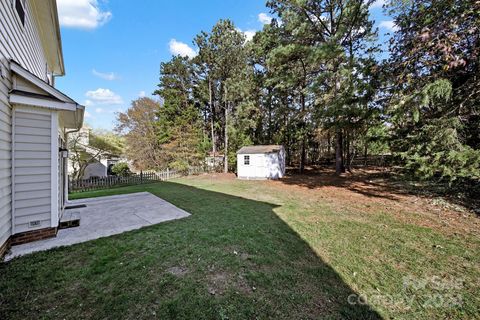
[{"x": 121, "y": 169}]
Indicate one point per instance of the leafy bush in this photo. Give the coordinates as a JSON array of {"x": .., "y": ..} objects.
[{"x": 121, "y": 169}]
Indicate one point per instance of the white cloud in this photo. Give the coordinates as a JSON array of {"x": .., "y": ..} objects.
[
  {"x": 82, "y": 14},
  {"x": 142, "y": 94},
  {"x": 264, "y": 18},
  {"x": 110, "y": 76},
  {"x": 99, "y": 110},
  {"x": 249, "y": 34},
  {"x": 87, "y": 115},
  {"x": 182, "y": 49},
  {"x": 103, "y": 96},
  {"x": 377, "y": 4},
  {"x": 388, "y": 24},
  {"x": 88, "y": 103}
]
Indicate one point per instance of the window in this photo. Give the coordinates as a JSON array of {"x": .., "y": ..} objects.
[
  {"x": 19, "y": 6},
  {"x": 246, "y": 160}
]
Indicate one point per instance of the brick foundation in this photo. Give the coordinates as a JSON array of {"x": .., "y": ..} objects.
[
  {"x": 4, "y": 248},
  {"x": 34, "y": 235}
]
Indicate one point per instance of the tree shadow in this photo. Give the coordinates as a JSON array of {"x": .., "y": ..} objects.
[
  {"x": 380, "y": 182},
  {"x": 233, "y": 257},
  {"x": 373, "y": 182}
]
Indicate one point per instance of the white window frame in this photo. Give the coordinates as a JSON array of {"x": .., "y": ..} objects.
[{"x": 246, "y": 158}]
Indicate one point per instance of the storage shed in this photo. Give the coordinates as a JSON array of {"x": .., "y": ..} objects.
[{"x": 261, "y": 162}]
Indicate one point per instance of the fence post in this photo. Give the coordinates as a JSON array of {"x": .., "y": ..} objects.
[{"x": 141, "y": 177}]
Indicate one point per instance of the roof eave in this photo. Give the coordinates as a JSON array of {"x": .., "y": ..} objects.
[{"x": 46, "y": 17}]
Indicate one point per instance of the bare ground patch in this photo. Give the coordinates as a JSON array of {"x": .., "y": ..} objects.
[{"x": 370, "y": 191}]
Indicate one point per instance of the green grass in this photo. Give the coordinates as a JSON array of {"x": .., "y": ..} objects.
[{"x": 250, "y": 250}]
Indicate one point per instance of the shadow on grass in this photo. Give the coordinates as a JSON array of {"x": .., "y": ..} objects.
[
  {"x": 233, "y": 258},
  {"x": 376, "y": 182}
]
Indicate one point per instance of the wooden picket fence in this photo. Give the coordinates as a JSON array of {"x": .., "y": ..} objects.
[{"x": 98, "y": 183}]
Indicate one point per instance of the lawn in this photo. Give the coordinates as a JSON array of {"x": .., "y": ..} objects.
[{"x": 302, "y": 248}]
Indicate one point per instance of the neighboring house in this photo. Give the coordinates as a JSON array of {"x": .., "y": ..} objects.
[
  {"x": 99, "y": 163},
  {"x": 101, "y": 166},
  {"x": 261, "y": 162},
  {"x": 35, "y": 119}
]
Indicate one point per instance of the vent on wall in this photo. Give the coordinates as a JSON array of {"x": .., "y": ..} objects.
[{"x": 34, "y": 224}]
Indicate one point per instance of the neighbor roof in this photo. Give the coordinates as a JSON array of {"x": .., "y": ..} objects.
[{"x": 260, "y": 149}]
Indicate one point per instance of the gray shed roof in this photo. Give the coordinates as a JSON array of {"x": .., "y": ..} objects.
[{"x": 260, "y": 149}]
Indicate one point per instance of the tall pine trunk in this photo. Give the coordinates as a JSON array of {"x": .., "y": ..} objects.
[
  {"x": 212, "y": 120},
  {"x": 303, "y": 147},
  {"x": 269, "y": 103},
  {"x": 339, "y": 168},
  {"x": 349, "y": 154},
  {"x": 225, "y": 164}
]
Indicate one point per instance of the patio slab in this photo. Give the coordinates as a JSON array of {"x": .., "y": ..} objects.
[{"x": 106, "y": 216}]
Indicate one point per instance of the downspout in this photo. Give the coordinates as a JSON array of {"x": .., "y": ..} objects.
[{"x": 66, "y": 141}]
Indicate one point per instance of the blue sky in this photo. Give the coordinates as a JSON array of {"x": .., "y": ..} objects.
[{"x": 113, "y": 49}]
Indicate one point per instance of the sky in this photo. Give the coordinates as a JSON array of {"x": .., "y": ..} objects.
[{"x": 113, "y": 49}]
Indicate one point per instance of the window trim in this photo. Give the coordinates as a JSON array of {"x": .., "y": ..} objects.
[{"x": 246, "y": 160}]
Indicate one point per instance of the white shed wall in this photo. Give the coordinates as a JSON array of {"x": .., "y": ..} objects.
[
  {"x": 21, "y": 43},
  {"x": 262, "y": 166}
]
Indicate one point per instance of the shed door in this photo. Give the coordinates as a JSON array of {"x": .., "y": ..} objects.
[{"x": 259, "y": 164}]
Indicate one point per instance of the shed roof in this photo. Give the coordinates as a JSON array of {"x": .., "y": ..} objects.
[{"x": 259, "y": 149}]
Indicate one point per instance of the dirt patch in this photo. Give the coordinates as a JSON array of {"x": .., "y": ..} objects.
[
  {"x": 177, "y": 271},
  {"x": 372, "y": 191},
  {"x": 219, "y": 282}
]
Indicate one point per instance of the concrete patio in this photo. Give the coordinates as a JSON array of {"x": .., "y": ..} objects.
[{"x": 106, "y": 216}]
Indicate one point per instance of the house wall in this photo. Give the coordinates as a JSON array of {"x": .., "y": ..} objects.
[
  {"x": 96, "y": 169},
  {"x": 21, "y": 43},
  {"x": 32, "y": 169}
]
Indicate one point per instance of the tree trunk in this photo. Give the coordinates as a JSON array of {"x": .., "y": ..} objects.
[
  {"x": 269, "y": 102},
  {"x": 339, "y": 168},
  {"x": 329, "y": 146},
  {"x": 303, "y": 154},
  {"x": 212, "y": 125},
  {"x": 365, "y": 153},
  {"x": 349, "y": 155},
  {"x": 225, "y": 164}
]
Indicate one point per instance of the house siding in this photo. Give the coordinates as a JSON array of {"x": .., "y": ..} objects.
[
  {"x": 22, "y": 44},
  {"x": 32, "y": 169}
]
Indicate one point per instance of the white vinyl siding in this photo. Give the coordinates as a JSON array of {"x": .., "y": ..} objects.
[
  {"x": 32, "y": 169},
  {"x": 5, "y": 164},
  {"x": 22, "y": 44}
]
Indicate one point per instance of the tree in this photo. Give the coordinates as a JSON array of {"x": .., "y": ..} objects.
[
  {"x": 435, "y": 90},
  {"x": 179, "y": 127},
  {"x": 222, "y": 55},
  {"x": 329, "y": 37},
  {"x": 139, "y": 127}
]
